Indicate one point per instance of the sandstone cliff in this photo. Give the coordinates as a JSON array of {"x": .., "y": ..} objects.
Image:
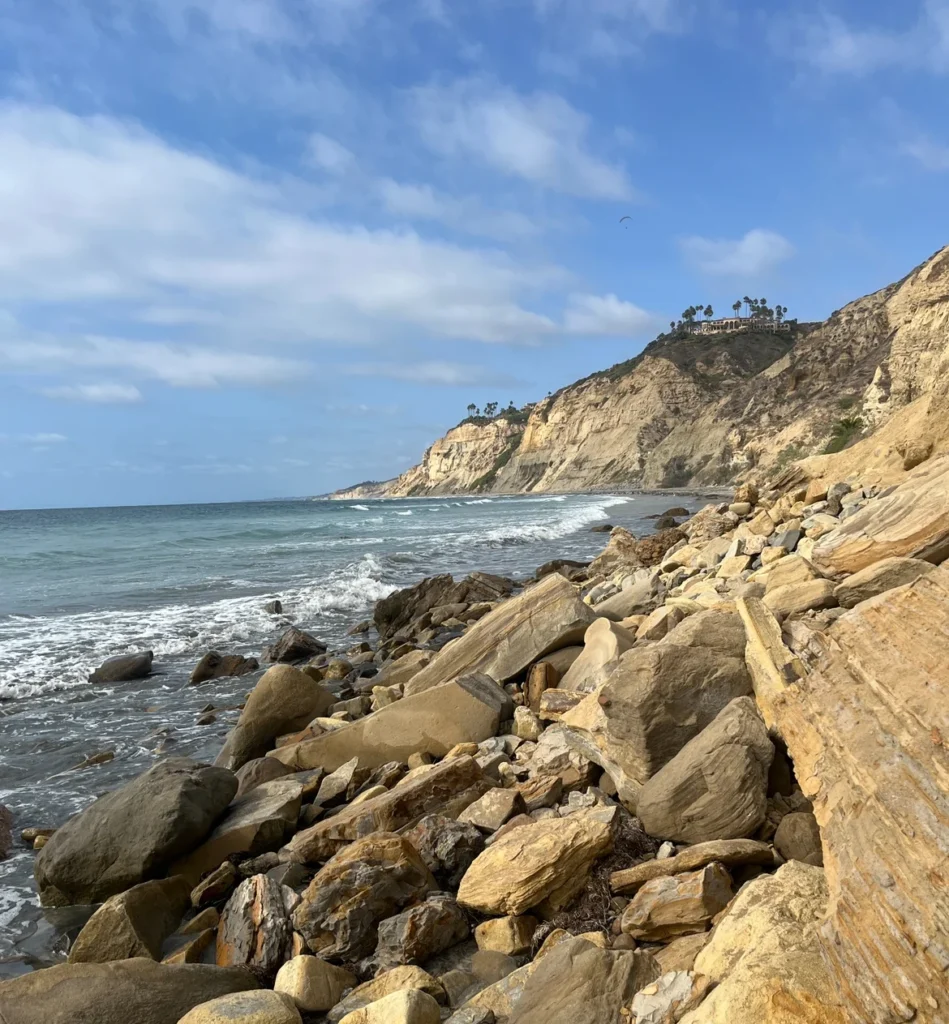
[{"x": 700, "y": 411}]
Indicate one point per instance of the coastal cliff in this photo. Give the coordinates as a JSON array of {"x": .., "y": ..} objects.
[{"x": 700, "y": 410}]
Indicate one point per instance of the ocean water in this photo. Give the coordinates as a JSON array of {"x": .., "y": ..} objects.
[{"x": 80, "y": 585}]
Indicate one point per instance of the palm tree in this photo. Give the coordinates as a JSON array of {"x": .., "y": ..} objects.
[
  {"x": 672, "y": 325},
  {"x": 472, "y": 409},
  {"x": 737, "y": 307},
  {"x": 708, "y": 312},
  {"x": 747, "y": 303}
]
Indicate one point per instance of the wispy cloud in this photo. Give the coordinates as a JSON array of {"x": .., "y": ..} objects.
[
  {"x": 433, "y": 372},
  {"x": 98, "y": 394},
  {"x": 933, "y": 156},
  {"x": 607, "y": 315},
  {"x": 44, "y": 439},
  {"x": 757, "y": 252}
]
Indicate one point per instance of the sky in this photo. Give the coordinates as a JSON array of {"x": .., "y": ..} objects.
[{"x": 262, "y": 248}]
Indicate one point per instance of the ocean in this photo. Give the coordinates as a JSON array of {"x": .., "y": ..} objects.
[{"x": 80, "y": 585}]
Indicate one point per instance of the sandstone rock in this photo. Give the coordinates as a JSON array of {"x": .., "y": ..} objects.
[
  {"x": 747, "y": 491},
  {"x": 264, "y": 1007},
  {"x": 867, "y": 732},
  {"x": 215, "y": 886},
  {"x": 716, "y": 786},
  {"x": 792, "y": 569},
  {"x": 674, "y": 905},
  {"x": 764, "y": 956},
  {"x": 659, "y": 623},
  {"x": 619, "y": 551},
  {"x": 258, "y": 771},
  {"x": 134, "y": 923},
  {"x": 313, "y": 984},
  {"x": 876, "y": 579},
  {"x": 192, "y": 952},
  {"x": 510, "y": 935},
  {"x": 421, "y": 931},
  {"x": 447, "y": 847},
  {"x": 554, "y": 704},
  {"x": 294, "y": 645},
  {"x": 398, "y": 673},
  {"x": 722, "y": 851},
  {"x": 254, "y": 824},
  {"x": 123, "y": 668},
  {"x": 798, "y": 838},
  {"x": 527, "y": 726},
  {"x": 669, "y": 998},
  {"x": 472, "y": 1015},
  {"x": 397, "y": 980},
  {"x": 640, "y": 597},
  {"x": 468, "y": 709},
  {"x": 132, "y": 834},
  {"x": 492, "y": 810},
  {"x": 658, "y": 698},
  {"x": 218, "y": 666},
  {"x": 255, "y": 926},
  {"x": 797, "y": 598},
  {"x": 408, "y": 1006},
  {"x": 284, "y": 700},
  {"x": 680, "y": 953},
  {"x": 546, "y": 862},
  {"x": 733, "y": 566},
  {"x": 543, "y": 791},
  {"x": 604, "y": 642},
  {"x": 363, "y": 884},
  {"x": 762, "y": 524},
  {"x": 449, "y": 786}
]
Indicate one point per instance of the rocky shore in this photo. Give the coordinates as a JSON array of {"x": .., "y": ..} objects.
[{"x": 702, "y": 779}]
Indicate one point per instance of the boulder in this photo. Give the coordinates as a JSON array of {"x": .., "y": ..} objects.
[
  {"x": 716, "y": 786},
  {"x": 255, "y": 926},
  {"x": 798, "y": 838},
  {"x": 123, "y": 668},
  {"x": 407, "y": 1006},
  {"x": 715, "y": 629},
  {"x": 546, "y": 862},
  {"x": 797, "y": 598},
  {"x": 421, "y": 931},
  {"x": 365, "y": 883},
  {"x": 258, "y": 771},
  {"x": 397, "y": 980},
  {"x": 764, "y": 956},
  {"x": 582, "y": 984},
  {"x": 867, "y": 731},
  {"x": 658, "y": 623},
  {"x": 218, "y": 666},
  {"x": 652, "y": 550},
  {"x": 254, "y": 824},
  {"x": 509, "y": 935},
  {"x": 547, "y": 616},
  {"x": 134, "y": 923},
  {"x": 554, "y": 704},
  {"x": 294, "y": 645},
  {"x": 669, "y": 998},
  {"x": 674, "y": 905},
  {"x": 283, "y": 701},
  {"x": 679, "y": 954},
  {"x": 620, "y": 551},
  {"x": 446, "y": 787},
  {"x": 313, "y": 984},
  {"x": 466, "y": 710},
  {"x": 559, "y": 565},
  {"x": 639, "y": 598},
  {"x": 492, "y": 810},
  {"x": 132, "y": 834},
  {"x": 400, "y": 671},
  {"x": 656, "y": 700},
  {"x": 724, "y": 851},
  {"x": 527, "y": 725},
  {"x": 912, "y": 521},
  {"x": 876, "y": 579},
  {"x": 788, "y": 570},
  {"x": 216, "y": 886},
  {"x": 6, "y": 831},
  {"x": 120, "y": 992},
  {"x": 264, "y": 1007},
  {"x": 448, "y": 847},
  {"x": 603, "y": 644}
]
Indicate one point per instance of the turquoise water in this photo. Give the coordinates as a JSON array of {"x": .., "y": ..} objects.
[{"x": 80, "y": 585}]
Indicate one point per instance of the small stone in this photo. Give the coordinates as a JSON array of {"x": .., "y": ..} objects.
[
  {"x": 492, "y": 810},
  {"x": 313, "y": 984},
  {"x": 665, "y": 851},
  {"x": 798, "y": 838},
  {"x": 527, "y": 726},
  {"x": 510, "y": 935},
  {"x": 418, "y": 759},
  {"x": 214, "y": 886}
]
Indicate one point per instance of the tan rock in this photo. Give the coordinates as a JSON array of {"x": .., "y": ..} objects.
[
  {"x": 465, "y": 710},
  {"x": 313, "y": 984},
  {"x": 561, "y": 659},
  {"x": 716, "y": 786},
  {"x": 510, "y": 935},
  {"x": 762, "y": 525},
  {"x": 263, "y": 1007},
  {"x": 527, "y": 726},
  {"x": 255, "y": 925},
  {"x": 771, "y": 664},
  {"x": 798, "y": 838},
  {"x": 867, "y": 731},
  {"x": 715, "y": 629},
  {"x": 658, "y": 623},
  {"x": 603, "y": 644},
  {"x": 677, "y": 904},
  {"x": 546, "y": 862},
  {"x": 764, "y": 956},
  {"x": 545, "y": 617},
  {"x": 542, "y": 676},
  {"x": 680, "y": 953},
  {"x": 658, "y": 698},
  {"x": 407, "y": 1006},
  {"x": 492, "y": 810},
  {"x": 215, "y": 886},
  {"x": 462, "y": 750},
  {"x": 734, "y": 566},
  {"x": 554, "y": 704},
  {"x": 404, "y": 669},
  {"x": 620, "y": 551},
  {"x": 797, "y": 598},
  {"x": 192, "y": 952},
  {"x": 396, "y": 980},
  {"x": 793, "y": 569},
  {"x": 770, "y": 555},
  {"x": 723, "y": 851},
  {"x": 636, "y": 598},
  {"x": 876, "y": 579}
]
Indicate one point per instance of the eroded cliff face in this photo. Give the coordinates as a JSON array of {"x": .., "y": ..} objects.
[{"x": 703, "y": 411}]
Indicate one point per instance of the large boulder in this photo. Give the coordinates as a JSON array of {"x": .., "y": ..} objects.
[
  {"x": 396, "y": 980},
  {"x": 875, "y": 579},
  {"x": 674, "y": 905},
  {"x": 255, "y": 930},
  {"x": 651, "y": 550},
  {"x": 467, "y": 710},
  {"x": 715, "y": 629},
  {"x": 284, "y": 700},
  {"x": 263, "y": 1007},
  {"x": 716, "y": 787},
  {"x": 603, "y": 644},
  {"x": 656, "y": 700},
  {"x": 765, "y": 960},
  {"x": 134, "y": 923},
  {"x": 134, "y": 833},
  {"x": 138, "y": 990},
  {"x": 448, "y": 847},
  {"x": 547, "y": 862},
  {"x": 313, "y": 984},
  {"x": 123, "y": 668},
  {"x": 868, "y": 732},
  {"x": 420, "y": 932},
  {"x": 405, "y": 606},
  {"x": 638, "y": 598},
  {"x": 620, "y": 552},
  {"x": 294, "y": 645},
  {"x": 545, "y": 617},
  {"x": 407, "y": 1006},
  {"x": 219, "y": 666}
]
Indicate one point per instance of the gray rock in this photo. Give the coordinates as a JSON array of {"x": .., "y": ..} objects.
[
  {"x": 798, "y": 838},
  {"x": 787, "y": 539},
  {"x": 219, "y": 666},
  {"x": 123, "y": 668},
  {"x": 421, "y": 931},
  {"x": 294, "y": 645},
  {"x": 448, "y": 847}
]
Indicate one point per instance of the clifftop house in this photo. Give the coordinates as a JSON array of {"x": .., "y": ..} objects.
[{"x": 728, "y": 324}]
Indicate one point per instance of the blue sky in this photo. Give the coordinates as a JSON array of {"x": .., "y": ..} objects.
[{"x": 254, "y": 248}]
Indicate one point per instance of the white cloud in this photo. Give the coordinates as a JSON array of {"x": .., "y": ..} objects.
[
  {"x": 100, "y": 394},
  {"x": 433, "y": 372},
  {"x": 41, "y": 439},
  {"x": 757, "y": 252},
  {"x": 539, "y": 138},
  {"x": 933, "y": 156},
  {"x": 330, "y": 155},
  {"x": 607, "y": 315}
]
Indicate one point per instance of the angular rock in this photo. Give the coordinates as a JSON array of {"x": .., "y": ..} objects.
[
  {"x": 509, "y": 935},
  {"x": 132, "y": 834},
  {"x": 138, "y": 990},
  {"x": 255, "y": 926},
  {"x": 123, "y": 668},
  {"x": 798, "y": 838},
  {"x": 258, "y": 771},
  {"x": 264, "y": 1007},
  {"x": 658, "y": 698},
  {"x": 554, "y": 704},
  {"x": 492, "y": 810},
  {"x": 399, "y": 672},
  {"x": 639, "y": 598},
  {"x": 363, "y": 884},
  {"x": 192, "y": 952},
  {"x": 797, "y": 598},
  {"x": 658, "y": 623},
  {"x": 651, "y": 550},
  {"x": 447, "y": 847},
  {"x": 313, "y": 984},
  {"x": 603, "y": 643},
  {"x": 773, "y": 667},
  {"x": 468, "y": 709},
  {"x": 134, "y": 923},
  {"x": 722, "y": 851},
  {"x": 716, "y": 786},
  {"x": 545, "y": 617},
  {"x": 397, "y": 980},
  {"x": 714, "y": 629},
  {"x": 408, "y": 1006},
  {"x": 543, "y": 791},
  {"x": 420, "y": 931},
  {"x": 680, "y": 953},
  {"x": 677, "y": 904},
  {"x": 284, "y": 700},
  {"x": 215, "y": 886},
  {"x": 669, "y": 998},
  {"x": 294, "y": 645},
  {"x": 878, "y": 578},
  {"x": 219, "y": 666},
  {"x": 546, "y": 862},
  {"x": 527, "y": 726},
  {"x": 619, "y": 551},
  {"x": 403, "y": 607},
  {"x": 793, "y": 569}
]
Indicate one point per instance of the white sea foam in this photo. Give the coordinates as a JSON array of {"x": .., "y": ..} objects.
[
  {"x": 550, "y": 527},
  {"x": 360, "y": 508},
  {"x": 481, "y": 501},
  {"x": 408, "y": 513}
]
